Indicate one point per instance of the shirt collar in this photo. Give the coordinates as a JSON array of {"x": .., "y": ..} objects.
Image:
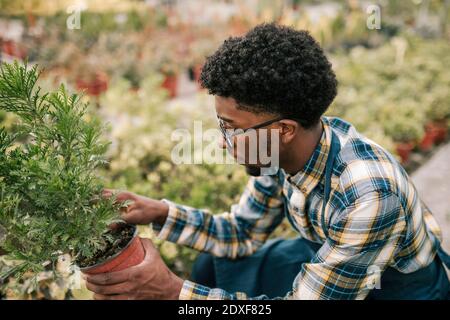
[{"x": 311, "y": 174}]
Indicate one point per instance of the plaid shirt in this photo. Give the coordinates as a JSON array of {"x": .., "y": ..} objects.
[{"x": 374, "y": 217}]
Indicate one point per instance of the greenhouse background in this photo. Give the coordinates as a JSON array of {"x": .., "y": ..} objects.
[{"x": 138, "y": 63}]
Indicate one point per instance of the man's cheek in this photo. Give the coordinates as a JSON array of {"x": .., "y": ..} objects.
[
  {"x": 246, "y": 150},
  {"x": 242, "y": 151},
  {"x": 233, "y": 151}
]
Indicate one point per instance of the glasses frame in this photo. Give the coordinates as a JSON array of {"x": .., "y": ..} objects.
[{"x": 228, "y": 136}]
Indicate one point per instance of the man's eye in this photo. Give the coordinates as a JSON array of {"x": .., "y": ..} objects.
[{"x": 228, "y": 127}]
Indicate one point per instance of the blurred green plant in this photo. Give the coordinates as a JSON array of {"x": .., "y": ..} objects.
[
  {"x": 389, "y": 88},
  {"x": 397, "y": 87}
]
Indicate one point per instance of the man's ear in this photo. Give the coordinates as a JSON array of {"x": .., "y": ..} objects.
[{"x": 288, "y": 130}]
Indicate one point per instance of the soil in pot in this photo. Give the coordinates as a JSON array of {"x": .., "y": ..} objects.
[{"x": 124, "y": 251}]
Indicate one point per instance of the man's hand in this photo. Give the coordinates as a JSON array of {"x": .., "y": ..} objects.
[
  {"x": 141, "y": 210},
  {"x": 151, "y": 279}
]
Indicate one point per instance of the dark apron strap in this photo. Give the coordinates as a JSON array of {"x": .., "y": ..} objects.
[{"x": 332, "y": 155}]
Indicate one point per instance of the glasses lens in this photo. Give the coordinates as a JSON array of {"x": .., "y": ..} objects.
[{"x": 229, "y": 142}]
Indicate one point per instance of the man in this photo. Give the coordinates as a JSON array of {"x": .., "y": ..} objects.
[{"x": 364, "y": 231}]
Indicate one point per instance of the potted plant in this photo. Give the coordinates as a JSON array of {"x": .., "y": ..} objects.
[
  {"x": 438, "y": 114},
  {"x": 93, "y": 82},
  {"x": 199, "y": 50},
  {"x": 405, "y": 128},
  {"x": 50, "y": 194},
  {"x": 170, "y": 71},
  {"x": 429, "y": 137},
  {"x": 90, "y": 77}
]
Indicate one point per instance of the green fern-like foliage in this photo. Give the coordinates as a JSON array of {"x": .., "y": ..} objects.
[{"x": 49, "y": 192}]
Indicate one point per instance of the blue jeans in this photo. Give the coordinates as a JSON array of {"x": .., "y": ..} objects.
[{"x": 271, "y": 270}]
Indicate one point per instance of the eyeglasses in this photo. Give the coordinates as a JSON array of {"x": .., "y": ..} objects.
[{"x": 228, "y": 134}]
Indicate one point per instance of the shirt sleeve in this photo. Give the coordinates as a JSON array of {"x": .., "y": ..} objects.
[
  {"x": 362, "y": 242},
  {"x": 231, "y": 234}
]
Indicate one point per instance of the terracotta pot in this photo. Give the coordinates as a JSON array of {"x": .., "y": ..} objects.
[
  {"x": 131, "y": 255},
  {"x": 404, "y": 150},
  {"x": 441, "y": 129},
  {"x": 197, "y": 72},
  {"x": 13, "y": 49},
  {"x": 9, "y": 47},
  {"x": 31, "y": 20},
  {"x": 429, "y": 138},
  {"x": 238, "y": 27},
  {"x": 171, "y": 84},
  {"x": 95, "y": 86}
]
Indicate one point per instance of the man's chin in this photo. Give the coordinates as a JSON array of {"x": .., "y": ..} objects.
[{"x": 253, "y": 171}]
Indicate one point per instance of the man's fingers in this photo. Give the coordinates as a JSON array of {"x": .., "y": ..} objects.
[
  {"x": 109, "y": 278},
  {"x": 149, "y": 249},
  {"x": 107, "y": 193},
  {"x": 113, "y": 226},
  {"x": 121, "y": 288},
  {"x": 124, "y": 196},
  {"x": 120, "y": 195},
  {"x": 128, "y": 207},
  {"x": 147, "y": 244}
]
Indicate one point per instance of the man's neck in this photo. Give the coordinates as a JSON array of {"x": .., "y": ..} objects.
[{"x": 302, "y": 149}]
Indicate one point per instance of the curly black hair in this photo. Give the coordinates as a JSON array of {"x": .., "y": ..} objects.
[{"x": 273, "y": 69}]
